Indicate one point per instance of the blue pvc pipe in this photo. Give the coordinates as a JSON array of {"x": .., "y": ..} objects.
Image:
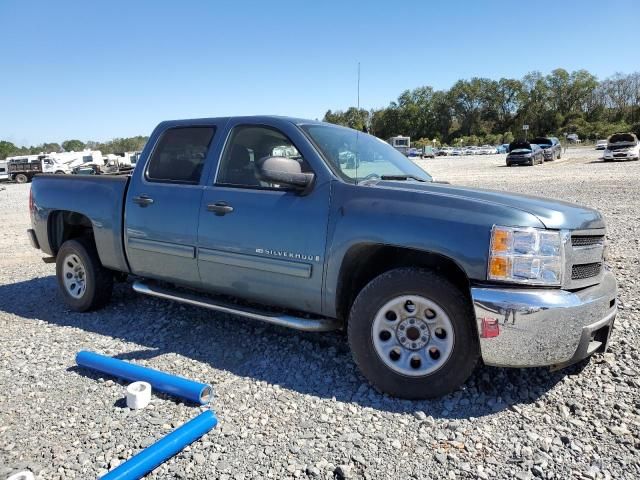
[
  {"x": 165, "y": 448},
  {"x": 196, "y": 392}
]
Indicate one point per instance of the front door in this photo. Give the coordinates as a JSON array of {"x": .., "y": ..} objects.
[
  {"x": 163, "y": 204},
  {"x": 261, "y": 241}
]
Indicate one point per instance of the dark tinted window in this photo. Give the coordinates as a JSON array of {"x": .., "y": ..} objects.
[{"x": 180, "y": 154}]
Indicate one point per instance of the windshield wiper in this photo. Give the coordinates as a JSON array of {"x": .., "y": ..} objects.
[{"x": 401, "y": 177}]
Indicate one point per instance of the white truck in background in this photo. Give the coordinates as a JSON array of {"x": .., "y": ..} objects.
[{"x": 22, "y": 168}]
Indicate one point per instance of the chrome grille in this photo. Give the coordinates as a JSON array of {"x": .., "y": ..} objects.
[
  {"x": 584, "y": 250},
  {"x": 586, "y": 270}
]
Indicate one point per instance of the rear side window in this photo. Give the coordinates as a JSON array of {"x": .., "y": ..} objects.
[{"x": 180, "y": 154}]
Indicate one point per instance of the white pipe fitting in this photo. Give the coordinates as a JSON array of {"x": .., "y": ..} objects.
[
  {"x": 138, "y": 395},
  {"x": 26, "y": 475}
]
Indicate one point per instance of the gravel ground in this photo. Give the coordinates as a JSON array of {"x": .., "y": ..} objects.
[{"x": 293, "y": 405}]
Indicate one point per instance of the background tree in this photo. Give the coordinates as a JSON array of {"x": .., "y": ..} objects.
[
  {"x": 7, "y": 149},
  {"x": 72, "y": 145}
]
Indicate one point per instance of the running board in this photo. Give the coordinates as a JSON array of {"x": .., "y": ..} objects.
[{"x": 289, "y": 321}]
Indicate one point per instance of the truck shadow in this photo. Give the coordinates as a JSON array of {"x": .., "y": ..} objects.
[{"x": 309, "y": 363}]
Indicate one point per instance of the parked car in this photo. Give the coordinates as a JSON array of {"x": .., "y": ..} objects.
[
  {"x": 622, "y": 146},
  {"x": 551, "y": 147},
  {"x": 444, "y": 151},
  {"x": 487, "y": 150},
  {"x": 428, "y": 152},
  {"x": 470, "y": 151},
  {"x": 86, "y": 169},
  {"x": 423, "y": 276},
  {"x": 524, "y": 153},
  {"x": 456, "y": 152},
  {"x": 601, "y": 144},
  {"x": 504, "y": 148}
]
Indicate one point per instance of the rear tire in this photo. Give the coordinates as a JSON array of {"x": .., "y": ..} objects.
[
  {"x": 21, "y": 178},
  {"x": 431, "y": 348},
  {"x": 84, "y": 283}
]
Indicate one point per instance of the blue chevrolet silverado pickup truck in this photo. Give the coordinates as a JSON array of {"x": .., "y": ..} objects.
[{"x": 261, "y": 217}]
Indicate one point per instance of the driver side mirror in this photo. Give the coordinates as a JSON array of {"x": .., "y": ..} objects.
[{"x": 284, "y": 171}]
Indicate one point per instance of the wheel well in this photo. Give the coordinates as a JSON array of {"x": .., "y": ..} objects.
[
  {"x": 65, "y": 225},
  {"x": 365, "y": 262}
]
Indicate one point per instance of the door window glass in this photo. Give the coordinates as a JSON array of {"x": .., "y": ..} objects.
[
  {"x": 247, "y": 146},
  {"x": 180, "y": 154}
]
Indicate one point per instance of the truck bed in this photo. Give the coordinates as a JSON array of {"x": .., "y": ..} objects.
[{"x": 98, "y": 197}]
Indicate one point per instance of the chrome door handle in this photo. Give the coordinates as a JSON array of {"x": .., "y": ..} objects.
[
  {"x": 220, "y": 208},
  {"x": 143, "y": 200}
]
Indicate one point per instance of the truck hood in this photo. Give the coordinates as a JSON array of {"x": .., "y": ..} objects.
[{"x": 554, "y": 214}]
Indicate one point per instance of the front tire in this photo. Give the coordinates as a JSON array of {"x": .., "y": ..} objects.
[
  {"x": 412, "y": 334},
  {"x": 84, "y": 283}
]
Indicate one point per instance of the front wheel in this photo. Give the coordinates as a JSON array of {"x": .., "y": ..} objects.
[
  {"x": 412, "y": 334},
  {"x": 84, "y": 283}
]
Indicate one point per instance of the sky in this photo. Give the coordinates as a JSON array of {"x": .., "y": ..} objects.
[{"x": 100, "y": 70}]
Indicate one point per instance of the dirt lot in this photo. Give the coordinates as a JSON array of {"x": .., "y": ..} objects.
[{"x": 293, "y": 405}]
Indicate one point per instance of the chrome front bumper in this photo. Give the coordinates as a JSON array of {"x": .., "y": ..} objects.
[{"x": 544, "y": 327}]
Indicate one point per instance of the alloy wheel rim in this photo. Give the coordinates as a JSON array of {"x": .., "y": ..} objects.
[
  {"x": 413, "y": 335},
  {"x": 74, "y": 276}
]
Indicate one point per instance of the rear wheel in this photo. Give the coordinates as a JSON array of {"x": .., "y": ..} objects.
[
  {"x": 412, "y": 334},
  {"x": 84, "y": 283},
  {"x": 21, "y": 178}
]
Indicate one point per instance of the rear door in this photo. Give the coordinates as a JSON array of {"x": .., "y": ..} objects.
[
  {"x": 258, "y": 241},
  {"x": 163, "y": 203}
]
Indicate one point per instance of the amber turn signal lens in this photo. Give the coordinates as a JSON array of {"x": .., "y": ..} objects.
[
  {"x": 499, "y": 267},
  {"x": 500, "y": 241}
]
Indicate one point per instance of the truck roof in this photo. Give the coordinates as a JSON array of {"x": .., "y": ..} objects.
[{"x": 294, "y": 120}]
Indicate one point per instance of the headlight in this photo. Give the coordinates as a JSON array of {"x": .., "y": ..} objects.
[{"x": 525, "y": 255}]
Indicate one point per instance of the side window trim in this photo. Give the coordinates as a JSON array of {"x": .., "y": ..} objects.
[
  {"x": 145, "y": 174},
  {"x": 223, "y": 152}
]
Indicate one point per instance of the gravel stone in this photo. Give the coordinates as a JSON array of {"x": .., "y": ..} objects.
[{"x": 293, "y": 405}]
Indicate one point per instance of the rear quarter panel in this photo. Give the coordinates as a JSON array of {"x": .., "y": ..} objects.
[{"x": 100, "y": 198}]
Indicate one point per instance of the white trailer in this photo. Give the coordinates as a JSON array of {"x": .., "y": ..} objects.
[
  {"x": 4, "y": 172},
  {"x": 400, "y": 143}
]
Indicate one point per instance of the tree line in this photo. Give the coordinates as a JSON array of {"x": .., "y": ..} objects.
[
  {"x": 117, "y": 145},
  {"x": 471, "y": 112},
  {"x": 481, "y": 110}
]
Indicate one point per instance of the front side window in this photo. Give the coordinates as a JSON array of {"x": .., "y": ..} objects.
[
  {"x": 247, "y": 146},
  {"x": 358, "y": 156},
  {"x": 180, "y": 155}
]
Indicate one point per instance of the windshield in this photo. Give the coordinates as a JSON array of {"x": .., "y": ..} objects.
[{"x": 357, "y": 156}]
